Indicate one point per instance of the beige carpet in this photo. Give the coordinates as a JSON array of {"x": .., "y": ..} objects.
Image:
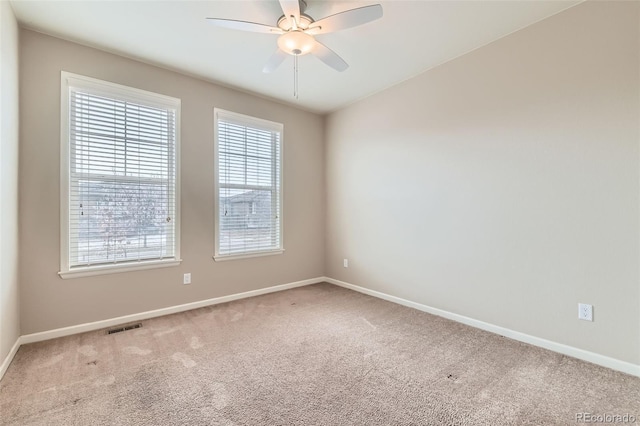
[{"x": 316, "y": 355}]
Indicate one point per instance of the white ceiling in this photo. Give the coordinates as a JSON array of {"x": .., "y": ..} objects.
[{"x": 411, "y": 37}]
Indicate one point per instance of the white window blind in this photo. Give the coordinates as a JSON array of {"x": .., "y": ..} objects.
[
  {"x": 121, "y": 200},
  {"x": 248, "y": 185}
]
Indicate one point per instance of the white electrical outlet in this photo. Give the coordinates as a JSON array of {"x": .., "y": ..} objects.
[
  {"x": 187, "y": 279},
  {"x": 345, "y": 263},
  {"x": 585, "y": 312}
]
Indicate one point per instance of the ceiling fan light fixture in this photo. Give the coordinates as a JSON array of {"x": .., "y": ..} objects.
[{"x": 296, "y": 43}]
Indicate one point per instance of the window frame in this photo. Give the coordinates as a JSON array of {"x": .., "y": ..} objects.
[
  {"x": 263, "y": 125},
  {"x": 120, "y": 92}
]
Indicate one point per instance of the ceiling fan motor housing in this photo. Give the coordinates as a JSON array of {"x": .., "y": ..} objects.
[{"x": 304, "y": 23}]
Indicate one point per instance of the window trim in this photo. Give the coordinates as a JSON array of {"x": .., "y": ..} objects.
[
  {"x": 132, "y": 94},
  {"x": 263, "y": 124}
]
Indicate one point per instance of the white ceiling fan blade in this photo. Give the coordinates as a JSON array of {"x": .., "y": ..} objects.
[
  {"x": 347, "y": 19},
  {"x": 274, "y": 61},
  {"x": 244, "y": 26},
  {"x": 291, "y": 8},
  {"x": 329, "y": 57}
]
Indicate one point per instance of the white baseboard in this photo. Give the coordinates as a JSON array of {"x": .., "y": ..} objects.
[
  {"x": 592, "y": 357},
  {"x": 97, "y": 325},
  {"x": 605, "y": 361},
  {"x": 9, "y": 357}
]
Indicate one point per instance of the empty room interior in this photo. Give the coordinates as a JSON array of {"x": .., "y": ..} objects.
[{"x": 319, "y": 213}]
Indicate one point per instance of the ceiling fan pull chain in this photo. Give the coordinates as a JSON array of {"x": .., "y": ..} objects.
[{"x": 295, "y": 76}]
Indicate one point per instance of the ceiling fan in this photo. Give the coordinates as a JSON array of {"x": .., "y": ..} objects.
[{"x": 297, "y": 32}]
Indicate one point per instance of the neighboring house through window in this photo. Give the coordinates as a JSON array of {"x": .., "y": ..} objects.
[
  {"x": 248, "y": 193},
  {"x": 119, "y": 178}
]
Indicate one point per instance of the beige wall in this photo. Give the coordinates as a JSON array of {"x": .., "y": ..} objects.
[
  {"x": 503, "y": 185},
  {"x": 9, "y": 300},
  {"x": 49, "y": 302}
]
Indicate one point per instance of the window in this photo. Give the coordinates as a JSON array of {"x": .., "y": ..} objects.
[
  {"x": 119, "y": 179},
  {"x": 248, "y": 193}
]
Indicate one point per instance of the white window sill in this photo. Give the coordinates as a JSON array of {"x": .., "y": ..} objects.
[
  {"x": 87, "y": 271},
  {"x": 219, "y": 257}
]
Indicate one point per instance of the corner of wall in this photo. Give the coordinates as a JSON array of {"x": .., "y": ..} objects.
[{"x": 9, "y": 147}]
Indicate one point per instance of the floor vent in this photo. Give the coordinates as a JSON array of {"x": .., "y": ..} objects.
[{"x": 124, "y": 328}]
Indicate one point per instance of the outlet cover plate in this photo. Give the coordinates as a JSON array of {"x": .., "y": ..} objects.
[
  {"x": 585, "y": 312},
  {"x": 187, "y": 278}
]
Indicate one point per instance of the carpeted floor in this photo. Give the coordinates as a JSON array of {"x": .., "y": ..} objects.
[{"x": 315, "y": 355}]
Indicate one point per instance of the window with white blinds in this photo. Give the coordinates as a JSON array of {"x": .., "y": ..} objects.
[
  {"x": 248, "y": 195},
  {"x": 119, "y": 178}
]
